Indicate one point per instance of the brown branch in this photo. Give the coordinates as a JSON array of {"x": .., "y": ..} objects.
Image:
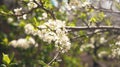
[
  {"x": 28, "y": 12},
  {"x": 55, "y": 57},
  {"x": 92, "y": 28},
  {"x": 41, "y": 5}
]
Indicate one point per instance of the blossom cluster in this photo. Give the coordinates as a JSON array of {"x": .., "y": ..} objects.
[
  {"x": 86, "y": 46},
  {"x": 32, "y": 4},
  {"x": 115, "y": 50},
  {"x": 52, "y": 31},
  {"x": 73, "y": 5},
  {"x": 23, "y": 43},
  {"x": 102, "y": 54}
]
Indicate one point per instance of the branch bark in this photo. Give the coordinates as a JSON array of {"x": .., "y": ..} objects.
[{"x": 92, "y": 28}]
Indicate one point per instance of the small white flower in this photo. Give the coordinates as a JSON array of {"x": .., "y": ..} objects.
[
  {"x": 25, "y": 16},
  {"x": 102, "y": 40},
  {"x": 31, "y": 5},
  {"x": 42, "y": 27},
  {"x": 31, "y": 40},
  {"x": 10, "y": 19},
  {"x": 40, "y": 18},
  {"x": 102, "y": 54},
  {"x": 29, "y": 29},
  {"x": 44, "y": 15},
  {"x": 18, "y": 11},
  {"x": 85, "y": 46},
  {"x": 22, "y": 43},
  {"x": 117, "y": 43},
  {"x": 13, "y": 43}
]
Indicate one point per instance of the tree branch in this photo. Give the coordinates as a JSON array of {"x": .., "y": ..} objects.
[
  {"x": 56, "y": 55},
  {"x": 41, "y": 5},
  {"x": 92, "y": 28}
]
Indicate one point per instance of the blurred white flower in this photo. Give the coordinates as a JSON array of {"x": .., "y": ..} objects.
[
  {"x": 31, "y": 5},
  {"x": 86, "y": 46},
  {"x": 31, "y": 40},
  {"x": 10, "y": 19},
  {"x": 44, "y": 15},
  {"x": 102, "y": 40},
  {"x": 29, "y": 29},
  {"x": 117, "y": 43},
  {"x": 18, "y": 11},
  {"x": 25, "y": 16},
  {"x": 102, "y": 54},
  {"x": 23, "y": 43},
  {"x": 13, "y": 43},
  {"x": 30, "y": 0},
  {"x": 49, "y": 37}
]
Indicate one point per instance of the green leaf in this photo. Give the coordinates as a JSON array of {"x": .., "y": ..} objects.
[
  {"x": 5, "y": 41},
  {"x": 93, "y": 19},
  {"x": 42, "y": 63},
  {"x": 6, "y": 59},
  {"x": 83, "y": 16},
  {"x": 22, "y": 23},
  {"x": 72, "y": 24}
]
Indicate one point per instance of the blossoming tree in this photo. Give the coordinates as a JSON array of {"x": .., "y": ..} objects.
[{"x": 60, "y": 33}]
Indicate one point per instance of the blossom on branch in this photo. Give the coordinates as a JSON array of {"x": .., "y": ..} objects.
[
  {"x": 52, "y": 31},
  {"x": 23, "y": 43},
  {"x": 18, "y": 11},
  {"x": 31, "y": 5}
]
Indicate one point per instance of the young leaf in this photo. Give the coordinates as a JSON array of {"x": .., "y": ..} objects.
[{"x": 6, "y": 59}]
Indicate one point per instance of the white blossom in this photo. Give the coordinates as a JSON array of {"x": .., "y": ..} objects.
[
  {"x": 23, "y": 43},
  {"x": 117, "y": 43},
  {"x": 115, "y": 50},
  {"x": 13, "y": 43},
  {"x": 102, "y": 54},
  {"x": 51, "y": 31},
  {"x": 25, "y": 16},
  {"x": 29, "y": 29},
  {"x": 10, "y": 19},
  {"x": 18, "y": 11},
  {"x": 86, "y": 46},
  {"x": 54, "y": 31},
  {"x": 44, "y": 15},
  {"x": 31, "y": 5},
  {"x": 49, "y": 37},
  {"x": 31, "y": 40},
  {"x": 102, "y": 40}
]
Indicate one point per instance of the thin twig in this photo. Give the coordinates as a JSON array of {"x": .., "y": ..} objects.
[
  {"x": 41, "y": 5},
  {"x": 54, "y": 58}
]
